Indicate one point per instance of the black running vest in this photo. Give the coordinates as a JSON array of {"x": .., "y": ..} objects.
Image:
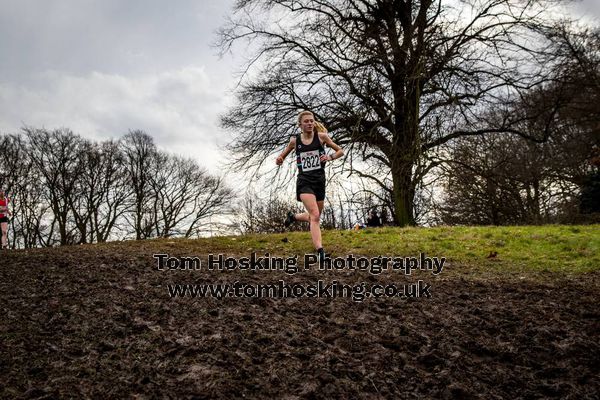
[{"x": 308, "y": 156}]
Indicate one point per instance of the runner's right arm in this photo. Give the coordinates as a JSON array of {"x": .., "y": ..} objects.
[{"x": 291, "y": 145}]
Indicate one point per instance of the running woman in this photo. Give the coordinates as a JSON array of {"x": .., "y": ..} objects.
[
  {"x": 4, "y": 214},
  {"x": 310, "y": 185}
]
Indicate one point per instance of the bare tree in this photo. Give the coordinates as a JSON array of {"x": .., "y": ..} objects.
[
  {"x": 140, "y": 155},
  {"x": 579, "y": 69},
  {"x": 186, "y": 195},
  {"x": 56, "y": 155},
  {"x": 254, "y": 214},
  {"x": 104, "y": 194},
  {"x": 86, "y": 191},
  {"x": 392, "y": 79},
  {"x": 21, "y": 181},
  {"x": 11, "y": 148},
  {"x": 502, "y": 180},
  {"x": 66, "y": 190},
  {"x": 213, "y": 201}
]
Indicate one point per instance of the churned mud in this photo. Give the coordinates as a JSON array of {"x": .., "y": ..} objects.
[{"x": 98, "y": 322}]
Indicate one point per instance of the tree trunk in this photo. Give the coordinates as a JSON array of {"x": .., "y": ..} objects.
[
  {"x": 405, "y": 152},
  {"x": 403, "y": 194}
]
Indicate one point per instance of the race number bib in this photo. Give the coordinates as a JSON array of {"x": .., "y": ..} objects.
[{"x": 310, "y": 160}]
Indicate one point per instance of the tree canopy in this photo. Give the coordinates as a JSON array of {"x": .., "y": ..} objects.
[{"x": 393, "y": 80}]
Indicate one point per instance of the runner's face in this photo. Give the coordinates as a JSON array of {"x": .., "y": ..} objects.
[{"x": 307, "y": 123}]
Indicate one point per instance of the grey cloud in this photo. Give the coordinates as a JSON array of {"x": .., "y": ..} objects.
[
  {"x": 112, "y": 36},
  {"x": 104, "y": 67},
  {"x": 178, "y": 108}
]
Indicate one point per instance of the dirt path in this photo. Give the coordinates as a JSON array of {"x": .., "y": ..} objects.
[{"x": 97, "y": 322}]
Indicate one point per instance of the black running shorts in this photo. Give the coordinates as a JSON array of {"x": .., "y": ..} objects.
[
  {"x": 3, "y": 219},
  {"x": 311, "y": 184}
]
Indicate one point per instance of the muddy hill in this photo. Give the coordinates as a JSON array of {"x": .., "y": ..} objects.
[{"x": 104, "y": 321}]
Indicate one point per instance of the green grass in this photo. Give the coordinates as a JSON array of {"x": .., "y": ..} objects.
[
  {"x": 563, "y": 249},
  {"x": 554, "y": 248}
]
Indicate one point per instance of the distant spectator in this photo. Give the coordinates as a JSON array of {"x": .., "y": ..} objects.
[
  {"x": 358, "y": 226},
  {"x": 384, "y": 216},
  {"x": 373, "y": 221},
  {"x": 589, "y": 201}
]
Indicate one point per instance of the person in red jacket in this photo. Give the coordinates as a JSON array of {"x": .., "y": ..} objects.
[{"x": 4, "y": 215}]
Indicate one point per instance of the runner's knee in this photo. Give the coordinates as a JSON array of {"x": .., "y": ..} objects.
[{"x": 314, "y": 215}]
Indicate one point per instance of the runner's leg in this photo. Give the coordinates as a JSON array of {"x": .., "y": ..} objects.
[
  {"x": 302, "y": 217},
  {"x": 310, "y": 203},
  {"x": 4, "y": 228},
  {"x": 321, "y": 204}
]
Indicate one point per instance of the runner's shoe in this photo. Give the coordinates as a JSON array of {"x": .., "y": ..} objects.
[
  {"x": 322, "y": 256},
  {"x": 290, "y": 219}
]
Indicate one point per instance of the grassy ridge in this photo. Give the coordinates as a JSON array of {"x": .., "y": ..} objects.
[{"x": 555, "y": 248}]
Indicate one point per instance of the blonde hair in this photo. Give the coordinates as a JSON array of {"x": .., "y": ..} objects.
[
  {"x": 302, "y": 114},
  {"x": 318, "y": 127}
]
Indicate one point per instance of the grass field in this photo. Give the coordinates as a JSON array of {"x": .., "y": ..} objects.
[{"x": 553, "y": 248}]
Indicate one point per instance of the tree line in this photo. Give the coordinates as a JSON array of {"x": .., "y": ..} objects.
[{"x": 65, "y": 189}]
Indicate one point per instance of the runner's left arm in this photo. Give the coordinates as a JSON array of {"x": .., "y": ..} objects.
[{"x": 339, "y": 152}]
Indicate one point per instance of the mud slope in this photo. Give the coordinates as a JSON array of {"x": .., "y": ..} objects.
[{"x": 98, "y": 322}]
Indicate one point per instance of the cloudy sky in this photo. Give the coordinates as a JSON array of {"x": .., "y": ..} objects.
[{"x": 103, "y": 67}]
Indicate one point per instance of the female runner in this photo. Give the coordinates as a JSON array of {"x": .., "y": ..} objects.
[{"x": 310, "y": 185}]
